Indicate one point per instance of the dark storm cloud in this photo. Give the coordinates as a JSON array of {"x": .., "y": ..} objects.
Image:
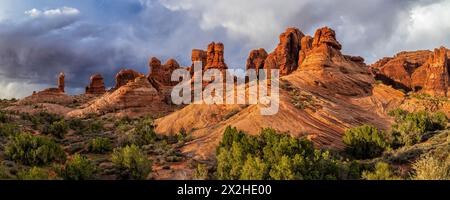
[{"x": 105, "y": 37}]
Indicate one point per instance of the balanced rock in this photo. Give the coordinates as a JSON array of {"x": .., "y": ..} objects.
[
  {"x": 286, "y": 55},
  {"x": 96, "y": 85}
]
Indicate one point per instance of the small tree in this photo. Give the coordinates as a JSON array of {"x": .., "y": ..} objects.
[
  {"x": 364, "y": 142},
  {"x": 383, "y": 171},
  {"x": 34, "y": 150},
  {"x": 78, "y": 168},
  {"x": 33, "y": 173},
  {"x": 254, "y": 169},
  {"x": 131, "y": 162},
  {"x": 100, "y": 145}
]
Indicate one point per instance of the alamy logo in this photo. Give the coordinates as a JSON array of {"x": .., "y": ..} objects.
[{"x": 215, "y": 86}]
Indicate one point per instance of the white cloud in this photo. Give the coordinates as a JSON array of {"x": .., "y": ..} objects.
[
  {"x": 10, "y": 89},
  {"x": 67, "y": 11},
  {"x": 256, "y": 20}
]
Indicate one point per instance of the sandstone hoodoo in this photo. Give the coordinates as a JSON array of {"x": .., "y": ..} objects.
[
  {"x": 286, "y": 55},
  {"x": 420, "y": 71},
  {"x": 124, "y": 76},
  {"x": 96, "y": 85},
  {"x": 214, "y": 57},
  {"x": 61, "y": 81},
  {"x": 198, "y": 55},
  {"x": 256, "y": 59},
  {"x": 163, "y": 73}
]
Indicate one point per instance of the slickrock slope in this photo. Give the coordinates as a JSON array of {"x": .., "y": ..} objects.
[
  {"x": 134, "y": 98},
  {"x": 326, "y": 94}
]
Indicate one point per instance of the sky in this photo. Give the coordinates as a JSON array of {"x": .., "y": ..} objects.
[{"x": 40, "y": 38}]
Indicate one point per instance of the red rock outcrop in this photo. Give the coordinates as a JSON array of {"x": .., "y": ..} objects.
[
  {"x": 326, "y": 36},
  {"x": 96, "y": 85},
  {"x": 397, "y": 70},
  {"x": 198, "y": 55},
  {"x": 61, "y": 81},
  {"x": 215, "y": 57},
  {"x": 412, "y": 71},
  {"x": 432, "y": 77},
  {"x": 256, "y": 59},
  {"x": 286, "y": 55},
  {"x": 163, "y": 73},
  {"x": 124, "y": 76}
]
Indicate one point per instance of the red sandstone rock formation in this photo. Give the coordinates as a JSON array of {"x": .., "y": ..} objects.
[
  {"x": 198, "y": 55},
  {"x": 96, "y": 86},
  {"x": 256, "y": 59},
  {"x": 214, "y": 57},
  {"x": 326, "y": 36},
  {"x": 61, "y": 82},
  {"x": 136, "y": 98},
  {"x": 125, "y": 76},
  {"x": 432, "y": 77},
  {"x": 412, "y": 71},
  {"x": 163, "y": 73},
  {"x": 286, "y": 55}
]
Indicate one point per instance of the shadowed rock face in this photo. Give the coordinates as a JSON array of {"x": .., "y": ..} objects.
[
  {"x": 286, "y": 55},
  {"x": 412, "y": 71},
  {"x": 96, "y": 85},
  {"x": 125, "y": 76},
  {"x": 163, "y": 73}
]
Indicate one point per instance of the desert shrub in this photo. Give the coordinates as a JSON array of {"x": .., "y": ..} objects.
[
  {"x": 33, "y": 173},
  {"x": 93, "y": 126},
  {"x": 78, "y": 168},
  {"x": 430, "y": 168},
  {"x": 131, "y": 162},
  {"x": 142, "y": 134},
  {"x": 382, "y": 171},
  {"x": 410, "y": 128},
  {"x": 201, "y": 172},
  {"x": 4, "y": 117},
  {"x": 273, "y": 155},
  {"x": 100, "y": 145},
  {"x": 57, "y": 129},
  {"x": 8, "y": 129},
  {"x": 33, "y": 150},
  {"x": 76, "y": 124},
  {"x": 4, "y": 175},
  {"x": 364, "y": 142}
]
